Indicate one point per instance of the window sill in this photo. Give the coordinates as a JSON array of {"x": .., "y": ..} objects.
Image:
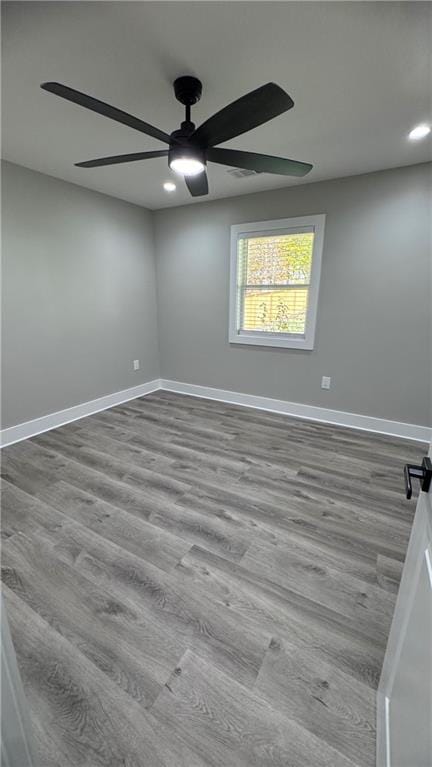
[{"x": 284, "y": 342}]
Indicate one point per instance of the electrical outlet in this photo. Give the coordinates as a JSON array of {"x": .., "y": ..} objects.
[
  {"x": 325, "y": 382},
  {"x": 136, "y": 364}
]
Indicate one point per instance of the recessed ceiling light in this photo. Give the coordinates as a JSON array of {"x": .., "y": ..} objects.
[
  {"x": 420, "y": 131},
  {"x": 169, "y": 186}
]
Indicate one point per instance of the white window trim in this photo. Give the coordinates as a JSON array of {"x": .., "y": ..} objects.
[{"x": 261, "y": 228}]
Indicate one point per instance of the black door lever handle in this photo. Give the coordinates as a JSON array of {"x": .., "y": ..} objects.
[{"x": 422, "y": 473}]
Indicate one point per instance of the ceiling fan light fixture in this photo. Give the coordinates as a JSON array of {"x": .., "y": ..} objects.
[
  {"x": 187, "y": 166},
  {"x": 185, "y": 159}
]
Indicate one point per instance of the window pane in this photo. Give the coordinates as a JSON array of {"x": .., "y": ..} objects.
[
  {"x": 275, "y": 311},
  {"x": 276, "y": 260}
]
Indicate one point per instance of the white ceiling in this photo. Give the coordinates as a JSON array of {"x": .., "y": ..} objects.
[{"x": 359, "y": 74}]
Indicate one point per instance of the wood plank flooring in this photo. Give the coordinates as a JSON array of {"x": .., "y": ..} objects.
[{"x": 194, "y": 584}]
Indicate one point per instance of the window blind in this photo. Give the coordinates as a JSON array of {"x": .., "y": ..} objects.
[{"x": 273, "y": 282}]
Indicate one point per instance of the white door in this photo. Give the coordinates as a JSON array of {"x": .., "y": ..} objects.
[
  {"x": 16, "y": 750},
  {"x": 404, "y": 702}
]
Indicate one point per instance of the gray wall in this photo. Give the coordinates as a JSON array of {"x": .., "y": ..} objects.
[
  {"x": 79, "y": 298},
  {"x": 373, "y": 330}
]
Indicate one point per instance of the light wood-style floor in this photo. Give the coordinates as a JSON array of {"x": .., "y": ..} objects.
[{"x": 194, "y": 584}]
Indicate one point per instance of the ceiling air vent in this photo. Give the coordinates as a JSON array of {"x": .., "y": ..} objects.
[{"x": 241, "y": 172}]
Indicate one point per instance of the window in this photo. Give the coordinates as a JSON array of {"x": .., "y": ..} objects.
[{"x": 275, "y": 273}]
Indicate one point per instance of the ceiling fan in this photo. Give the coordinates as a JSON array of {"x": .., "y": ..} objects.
[{"x": 190, "y": 148}]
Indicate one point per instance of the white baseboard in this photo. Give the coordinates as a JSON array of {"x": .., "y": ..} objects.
[
  {"x": 308, "y": 412},
  {"x": 53, "y": 420},
  {"x": 295, "y": 409}
]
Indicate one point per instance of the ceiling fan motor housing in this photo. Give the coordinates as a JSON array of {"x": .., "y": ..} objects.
[{"x": 180, "y": 147}]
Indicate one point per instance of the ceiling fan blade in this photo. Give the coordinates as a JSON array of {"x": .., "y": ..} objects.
[
  {"x": 88, "y": 102},
  {"x": 261, "y": 163},
  {"x": 197, "y": 185},
  {"x": 120, "y": 158},
  {"x": 249, "y": 111}
]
